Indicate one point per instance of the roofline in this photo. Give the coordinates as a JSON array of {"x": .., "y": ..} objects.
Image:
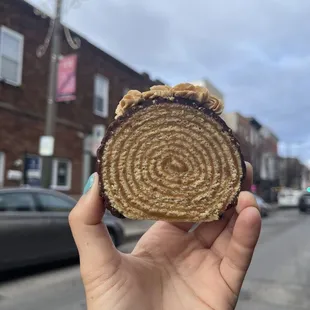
[{"x": 105, "y": 54}]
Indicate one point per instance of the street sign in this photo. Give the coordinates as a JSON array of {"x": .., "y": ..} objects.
[
  {"x": 46, "y": 147},
  {"x": 14, "y": 175},
  {"x": 32, "y": 170},
  {"x": 98, "y": 134}
]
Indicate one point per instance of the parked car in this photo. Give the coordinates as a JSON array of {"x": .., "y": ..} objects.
[
  {"x": 34, "y": 227},
  {"x": 264, "y": 208},
  {"x": 304, "y": 203},
  {"x": 288, "y": 198}
]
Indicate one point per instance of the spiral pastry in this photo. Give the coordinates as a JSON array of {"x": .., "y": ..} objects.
[{"x": 170, "y": 158}]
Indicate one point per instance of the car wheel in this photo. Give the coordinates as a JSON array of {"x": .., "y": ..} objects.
[{"x": 302, "y": 210}]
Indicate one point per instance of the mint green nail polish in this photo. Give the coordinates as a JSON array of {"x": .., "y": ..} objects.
[{"x": 89, "y": 184}]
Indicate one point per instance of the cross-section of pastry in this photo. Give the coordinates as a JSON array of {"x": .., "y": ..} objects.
[{"x": 169, "y": 156}]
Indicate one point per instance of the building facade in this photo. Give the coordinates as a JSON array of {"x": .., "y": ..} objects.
[
  {"x": 259, "y": 147},
  {"x": 101, "y": 81},
  {"x": 270, "y": 165},
  {"x": 294, "y": 174},
  {"x": 242, "y": 129}
]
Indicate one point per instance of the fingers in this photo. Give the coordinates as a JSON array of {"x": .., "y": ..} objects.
[
  {"x": 248, "y": 180},
  {"x": 241, "y": 248},
  {"x": 90, "y": 234},
  {"x": 220, "y": 245},
  {"x": 207, "y": 233}
]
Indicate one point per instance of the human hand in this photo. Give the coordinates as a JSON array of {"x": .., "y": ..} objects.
[{"x": 171, "y": 267}]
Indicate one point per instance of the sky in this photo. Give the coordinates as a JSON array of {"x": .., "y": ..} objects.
[{"x": 256, "y": 52}]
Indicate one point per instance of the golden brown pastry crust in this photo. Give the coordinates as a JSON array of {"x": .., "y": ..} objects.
[{"x": 184, "y": 90}]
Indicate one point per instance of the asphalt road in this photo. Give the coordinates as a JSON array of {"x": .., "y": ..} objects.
[{"x": 279, "y": 277}]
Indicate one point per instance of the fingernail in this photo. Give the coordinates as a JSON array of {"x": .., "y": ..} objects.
[{"x": 89, "y": 184}]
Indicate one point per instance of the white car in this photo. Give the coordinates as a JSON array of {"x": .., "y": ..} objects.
[{"x": 288, "y": 197}]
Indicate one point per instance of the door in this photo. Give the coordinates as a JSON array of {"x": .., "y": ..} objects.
[
  {"x": 21, "y": 228},
  {"x": 58, "y": 237}
]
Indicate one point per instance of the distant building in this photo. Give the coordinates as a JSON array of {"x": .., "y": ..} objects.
[
  {"x": 294, "y": 174},
  {"x": 305, "y": 178},
  {"x": 259, "y": 147},
  {"x": 101, "y": 82},
  {"x": 211, "y": 87}
]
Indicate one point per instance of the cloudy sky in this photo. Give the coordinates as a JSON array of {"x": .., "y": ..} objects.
[{"x": 257, "y": 52}]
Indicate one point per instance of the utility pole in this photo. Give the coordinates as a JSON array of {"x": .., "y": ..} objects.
[{"x": 51, "y": 108}]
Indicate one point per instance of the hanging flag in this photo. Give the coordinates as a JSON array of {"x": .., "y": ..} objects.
[{"x": 66, "y": 82}]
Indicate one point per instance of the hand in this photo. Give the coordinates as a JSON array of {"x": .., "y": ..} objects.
[{"x": 170, "y": 267}]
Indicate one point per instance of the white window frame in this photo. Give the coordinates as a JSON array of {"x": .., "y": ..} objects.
[
  {"x": 105, "y": 96},
  {"x": 54, "y": 185},
  {"x": 2, "y": 168},
  {"x": 20, "y": 38}
]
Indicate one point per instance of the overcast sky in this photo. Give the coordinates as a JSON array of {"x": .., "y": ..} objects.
[{"x": 256, "y": 51}]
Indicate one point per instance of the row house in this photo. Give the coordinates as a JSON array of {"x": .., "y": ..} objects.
[
  {"x": 101, "y": 81},
  {"x": 259, "y": 147},
  {"x": 270, "y": 165},
  {"x": 294, "y": 174},
  {"x": 242, "y": 128}
]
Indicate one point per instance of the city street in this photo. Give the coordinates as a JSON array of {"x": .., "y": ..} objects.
[{"x": 279, "y": 277}]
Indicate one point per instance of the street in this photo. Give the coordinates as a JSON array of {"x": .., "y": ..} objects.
[{"x": 279, "y": 277}]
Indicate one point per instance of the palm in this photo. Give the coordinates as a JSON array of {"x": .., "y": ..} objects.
[
  {"x": 184, "y": 259},
  {"x": 190, "y": 273},
  {"x": 171, "y": 268}
]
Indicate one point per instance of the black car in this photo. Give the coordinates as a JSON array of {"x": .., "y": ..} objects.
[
  {"x": 34, "y": 227},
  {"x": 304, "y": 203}
]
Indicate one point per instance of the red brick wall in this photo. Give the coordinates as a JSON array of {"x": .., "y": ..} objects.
[
  {"x": 20, "y": 134},
  {"x": 19, "y": 16},
  {"x": 22, "y": 109},
  {"x": 271, "y": 145}
]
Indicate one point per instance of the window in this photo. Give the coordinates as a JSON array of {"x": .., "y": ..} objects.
[
  {"x": 61, "y": 178},
  {"x": 2, "y": 168},
  {"x": 101, "y": 96},
  {"x": 11, "y": 56},
  {"x": 17, "y": 202},
  {"x": 54, "y": 203}
]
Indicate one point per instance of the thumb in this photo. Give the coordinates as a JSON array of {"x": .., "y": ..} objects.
[
  {"x": 241, "y": 247},
  {"x": 91, "y": 236}
]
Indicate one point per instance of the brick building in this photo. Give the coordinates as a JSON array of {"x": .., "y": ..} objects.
[
  {"x": 243, "y": 131},
  {"x": 294, "y": 174},
  {"x": 270, "y": 165},
  {"x": 101, "y": 82},
  {"x": 259, "y": 147}
]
